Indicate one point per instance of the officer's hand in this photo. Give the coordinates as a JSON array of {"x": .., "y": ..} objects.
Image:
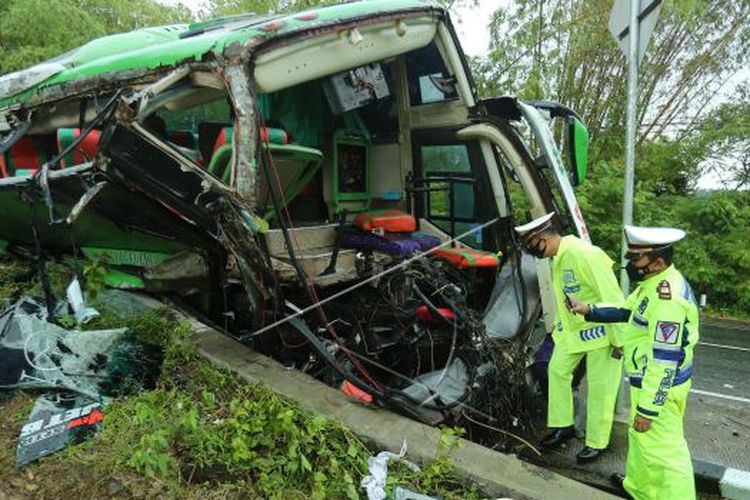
[
  {"x": 577, "y": 306},
  {"x": 641, "y": 423}
]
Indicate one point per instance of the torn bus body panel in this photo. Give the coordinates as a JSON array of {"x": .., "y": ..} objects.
[{"x": 322, "y": 186}]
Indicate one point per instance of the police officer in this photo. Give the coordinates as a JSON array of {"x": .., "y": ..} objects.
[
  {"x": 663, "y": 328},
  {"x": 583, "y": 271}
]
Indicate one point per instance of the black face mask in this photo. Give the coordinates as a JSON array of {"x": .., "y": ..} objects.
[
  {"x": 537, "y": 250},
  {"x": 636, "y": 273}
]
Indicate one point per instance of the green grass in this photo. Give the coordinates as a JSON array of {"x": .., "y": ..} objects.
[{"x": 204, "y": 433}]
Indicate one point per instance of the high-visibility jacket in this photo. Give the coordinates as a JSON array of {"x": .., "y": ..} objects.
[
  {"x": 663, "y": 329},
  {"x": 659, "y": 343},
  {"x": 584, "y": 272}
]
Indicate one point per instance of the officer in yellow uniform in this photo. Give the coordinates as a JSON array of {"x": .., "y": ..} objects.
[
  {"x": 663, "y": 328},
  {"x": 583, "y": 271}
]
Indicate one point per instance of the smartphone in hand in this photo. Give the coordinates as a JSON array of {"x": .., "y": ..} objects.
[{"x": 568, "y": 302}]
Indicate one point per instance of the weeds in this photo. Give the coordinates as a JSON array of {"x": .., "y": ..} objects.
[
  {"x": 204, "y": 424},
  {"x": 203, "y": 432}
]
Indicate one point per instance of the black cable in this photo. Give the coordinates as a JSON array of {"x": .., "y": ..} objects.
[
  {"x": 518, "y": 253},
  {"x": 109, "y": 107},
  {"x": 303, "y": 329},
  {"x": 303, "y": 276},
  {"x": 433, "y": 308},
  {"x": 49, "y": 297}
]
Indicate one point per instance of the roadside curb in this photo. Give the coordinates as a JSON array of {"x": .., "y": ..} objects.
[{"x": 733, "y": 484}]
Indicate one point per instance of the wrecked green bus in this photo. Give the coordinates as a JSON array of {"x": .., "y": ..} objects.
[{"x": 325, "y": 186}]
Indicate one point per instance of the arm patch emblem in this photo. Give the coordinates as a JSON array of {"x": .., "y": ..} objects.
[
  {"x": 664, "y": 290},
  {"x": 643, "y": 305},
  {"x": 667, "y": 332}
]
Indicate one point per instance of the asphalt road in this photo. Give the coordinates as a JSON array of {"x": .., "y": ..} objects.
[
  {"x": 722, "y": 364},
  {"x": 717, "y": 421}
]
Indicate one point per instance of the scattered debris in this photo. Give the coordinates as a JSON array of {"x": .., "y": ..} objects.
[
  {"x": 83, "y": 314},
  {"x": 81, "y": 368},
  {"x": 57, "y": 420},
  {"x": 374, "y": 482}
]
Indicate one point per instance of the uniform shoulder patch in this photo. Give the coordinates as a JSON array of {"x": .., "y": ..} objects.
[
  {"x": 667, "y": 332},
  {"x": 664, "y": 290}
]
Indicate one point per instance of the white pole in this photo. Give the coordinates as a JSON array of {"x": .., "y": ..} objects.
[
  {"x": 627, "y": 202},
  {"x": 623, "y": 398}
]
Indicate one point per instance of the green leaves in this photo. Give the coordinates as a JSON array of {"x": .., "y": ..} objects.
[
  {"x": 32, "y": 31},
  {"x": 562, "y": 50},
  {"x": 95, "y": 273},
  {"x": 252, "y": 433}
]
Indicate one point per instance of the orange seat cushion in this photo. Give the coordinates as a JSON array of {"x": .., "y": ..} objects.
[
  {"x": 393, "y": 221},
  {"x": 465, "y": 258}
]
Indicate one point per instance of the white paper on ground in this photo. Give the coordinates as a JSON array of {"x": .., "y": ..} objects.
[
  {"x": 374, "y": 482},
  {"x": 82, "y": 313}
]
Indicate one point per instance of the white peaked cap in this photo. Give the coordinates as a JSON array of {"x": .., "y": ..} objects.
[
  {"x": 535, "y": 225},
  {"x": 652, "y": 236}
]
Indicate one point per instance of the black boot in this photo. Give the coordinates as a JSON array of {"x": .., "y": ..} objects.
[
  {"x": 588, "y": 454},
  {"x": 558, "y": 437},
  {"x": 617, "y": 479}
]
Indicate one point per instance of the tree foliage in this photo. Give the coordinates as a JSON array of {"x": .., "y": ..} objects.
[
  {"x": 215, "y": 8},
  {"x": 690, "y": 120},
  {"x": 32, "y": 31},
  {"x": 724, "y": 137},
  {"x": 562, "y": 50}
]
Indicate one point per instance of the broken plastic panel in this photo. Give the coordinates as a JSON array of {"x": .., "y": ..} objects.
[
  {"x": 58, "y": 420},
  {"x": 512, "y": 296},
  {"x": 355, "y": 88},
  {"x": 445, "y": 386}
]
